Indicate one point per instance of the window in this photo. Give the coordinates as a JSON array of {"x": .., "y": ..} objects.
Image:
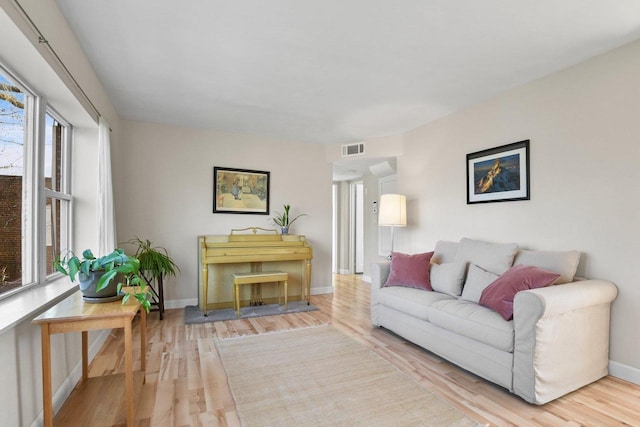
[
  {"x": 35, "y": 196},
  {"x": 56, "y": 189}
]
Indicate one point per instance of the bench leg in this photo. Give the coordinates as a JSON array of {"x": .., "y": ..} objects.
[{"x": 279, "y": 294}]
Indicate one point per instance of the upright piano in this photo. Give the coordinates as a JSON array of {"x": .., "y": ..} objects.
[{"x": 251, "y": 249}]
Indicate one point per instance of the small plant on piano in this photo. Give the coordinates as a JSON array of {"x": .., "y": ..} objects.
[{"x": 284, "y": 220}]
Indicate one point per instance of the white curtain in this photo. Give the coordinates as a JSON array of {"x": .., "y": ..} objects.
[{"x": 106, "y": 212}]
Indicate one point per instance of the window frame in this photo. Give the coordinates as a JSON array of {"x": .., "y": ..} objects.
[
  {"x": 64, "y": 194},
  {"x": 34, "y": 191}
]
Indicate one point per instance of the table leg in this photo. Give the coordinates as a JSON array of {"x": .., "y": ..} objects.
[
  {"x": 143, "y": 342},
  {"x": 85, "y": 355},
  {"x": 47, "y": 404},
  {"x": 128, "y": 366}
]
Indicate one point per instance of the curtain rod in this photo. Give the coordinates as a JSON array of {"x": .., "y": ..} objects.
[{"x": 42, "y": 40}]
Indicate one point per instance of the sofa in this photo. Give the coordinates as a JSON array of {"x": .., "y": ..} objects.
[{"x": 518, "y": 318}]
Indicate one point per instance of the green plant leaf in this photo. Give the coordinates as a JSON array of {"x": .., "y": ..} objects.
[
  {"x": 124, "y": 269},
  {"x": 60, "y": 268},
  {"x": 74, "y": 266},
  {"x": 87, "y": 254},
  {"x": 105, "y": 279},
  {"x": 85, "y": 267}
]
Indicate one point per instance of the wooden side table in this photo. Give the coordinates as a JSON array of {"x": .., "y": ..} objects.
[{"x": 74, "y": 315}]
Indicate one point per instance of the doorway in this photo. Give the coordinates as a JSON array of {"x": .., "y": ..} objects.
[{"x": 357, "y": 218}]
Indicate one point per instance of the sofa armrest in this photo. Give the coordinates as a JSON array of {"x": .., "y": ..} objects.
[
  {"x": 379, "y": 273},
  {"x": 561, "y": 338}
]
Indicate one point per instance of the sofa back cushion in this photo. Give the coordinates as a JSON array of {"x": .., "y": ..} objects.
[
  {"x": 445, "y": 251},
  {"x": 411, "y": 271},
  {"x": 494, "y": 257},
  {"x": 564, "y": 263},
  {"x": 448, "y": 277}
]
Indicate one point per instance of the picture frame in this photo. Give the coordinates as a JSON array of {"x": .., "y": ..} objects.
[
  {"x": 240, "y": 191},
  {"x": 499, "y": 174}
]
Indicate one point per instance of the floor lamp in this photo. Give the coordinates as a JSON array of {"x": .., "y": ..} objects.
[{"x": 393, "y": 213}]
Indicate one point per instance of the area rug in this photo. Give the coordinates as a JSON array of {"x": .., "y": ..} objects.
[
  {"x": 320, "y": 377},
  {"x": 192, "y": 313}
]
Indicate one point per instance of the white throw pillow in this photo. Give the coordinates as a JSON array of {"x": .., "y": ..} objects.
[
  {"x": 477, "y": 280},
  {"x": 448, "y": 278},
  {"x": 494, "y": 257},
  {"x": 563, "y": 263}
]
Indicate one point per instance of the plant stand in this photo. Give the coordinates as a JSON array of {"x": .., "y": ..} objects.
[{"x": 157, "y": 294}]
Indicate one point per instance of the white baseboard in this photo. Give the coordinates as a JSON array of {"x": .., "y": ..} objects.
[
  {"x": 65, "y": 389},
  {"x": 624, "y": 372},
  {"x": 366, "y": 278},
  {"x": 344, "y": 272},
  {"x": 180, "y": 303}
]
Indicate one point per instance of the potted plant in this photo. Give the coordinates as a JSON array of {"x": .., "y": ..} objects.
[
  {"x": 283, "y": 220},
  {"x": 100, "y": 279},
  {"x": 155, "y": 264}
]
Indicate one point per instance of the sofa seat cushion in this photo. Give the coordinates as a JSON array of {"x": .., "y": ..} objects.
[
  {"x": 473, "y": 321},
  {"x": 414, "y": 302}
]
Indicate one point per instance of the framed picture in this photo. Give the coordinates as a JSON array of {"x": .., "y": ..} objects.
[
  {"x": 240, "y": 191},
  {"x": 500, "y": 174}
]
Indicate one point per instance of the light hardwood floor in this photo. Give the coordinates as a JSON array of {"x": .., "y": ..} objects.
[{"x": 186, "y": 384}]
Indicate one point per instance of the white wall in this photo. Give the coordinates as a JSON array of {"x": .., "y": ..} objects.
[
  {"x": 164, "y": 192},
  {"x": 584, "y": 128}
]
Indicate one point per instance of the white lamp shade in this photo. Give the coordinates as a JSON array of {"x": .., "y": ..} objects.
[{"x": 393, "y": 210}]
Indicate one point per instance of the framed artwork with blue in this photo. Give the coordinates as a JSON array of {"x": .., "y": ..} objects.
[{"x": 499, "y": 174}]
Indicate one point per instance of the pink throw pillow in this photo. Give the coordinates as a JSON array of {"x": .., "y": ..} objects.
[
  {"x": 500, "y": 294},
  {"x": 411, "y": 271}
]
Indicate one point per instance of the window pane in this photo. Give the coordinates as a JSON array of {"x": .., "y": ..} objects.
[
  {"x": 53, "y": 154},
  {"x": 56, "y": 214},
  {"x": 12, "y": 145}
]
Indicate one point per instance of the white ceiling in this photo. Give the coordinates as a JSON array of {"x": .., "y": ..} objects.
[{"x": 332, "y": 71}]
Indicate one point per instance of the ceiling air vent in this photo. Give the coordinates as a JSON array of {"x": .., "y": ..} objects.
[{"x": 353, "y": 150}]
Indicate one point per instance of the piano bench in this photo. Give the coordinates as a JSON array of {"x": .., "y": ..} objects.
[{"x": 257, "y": 277}]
